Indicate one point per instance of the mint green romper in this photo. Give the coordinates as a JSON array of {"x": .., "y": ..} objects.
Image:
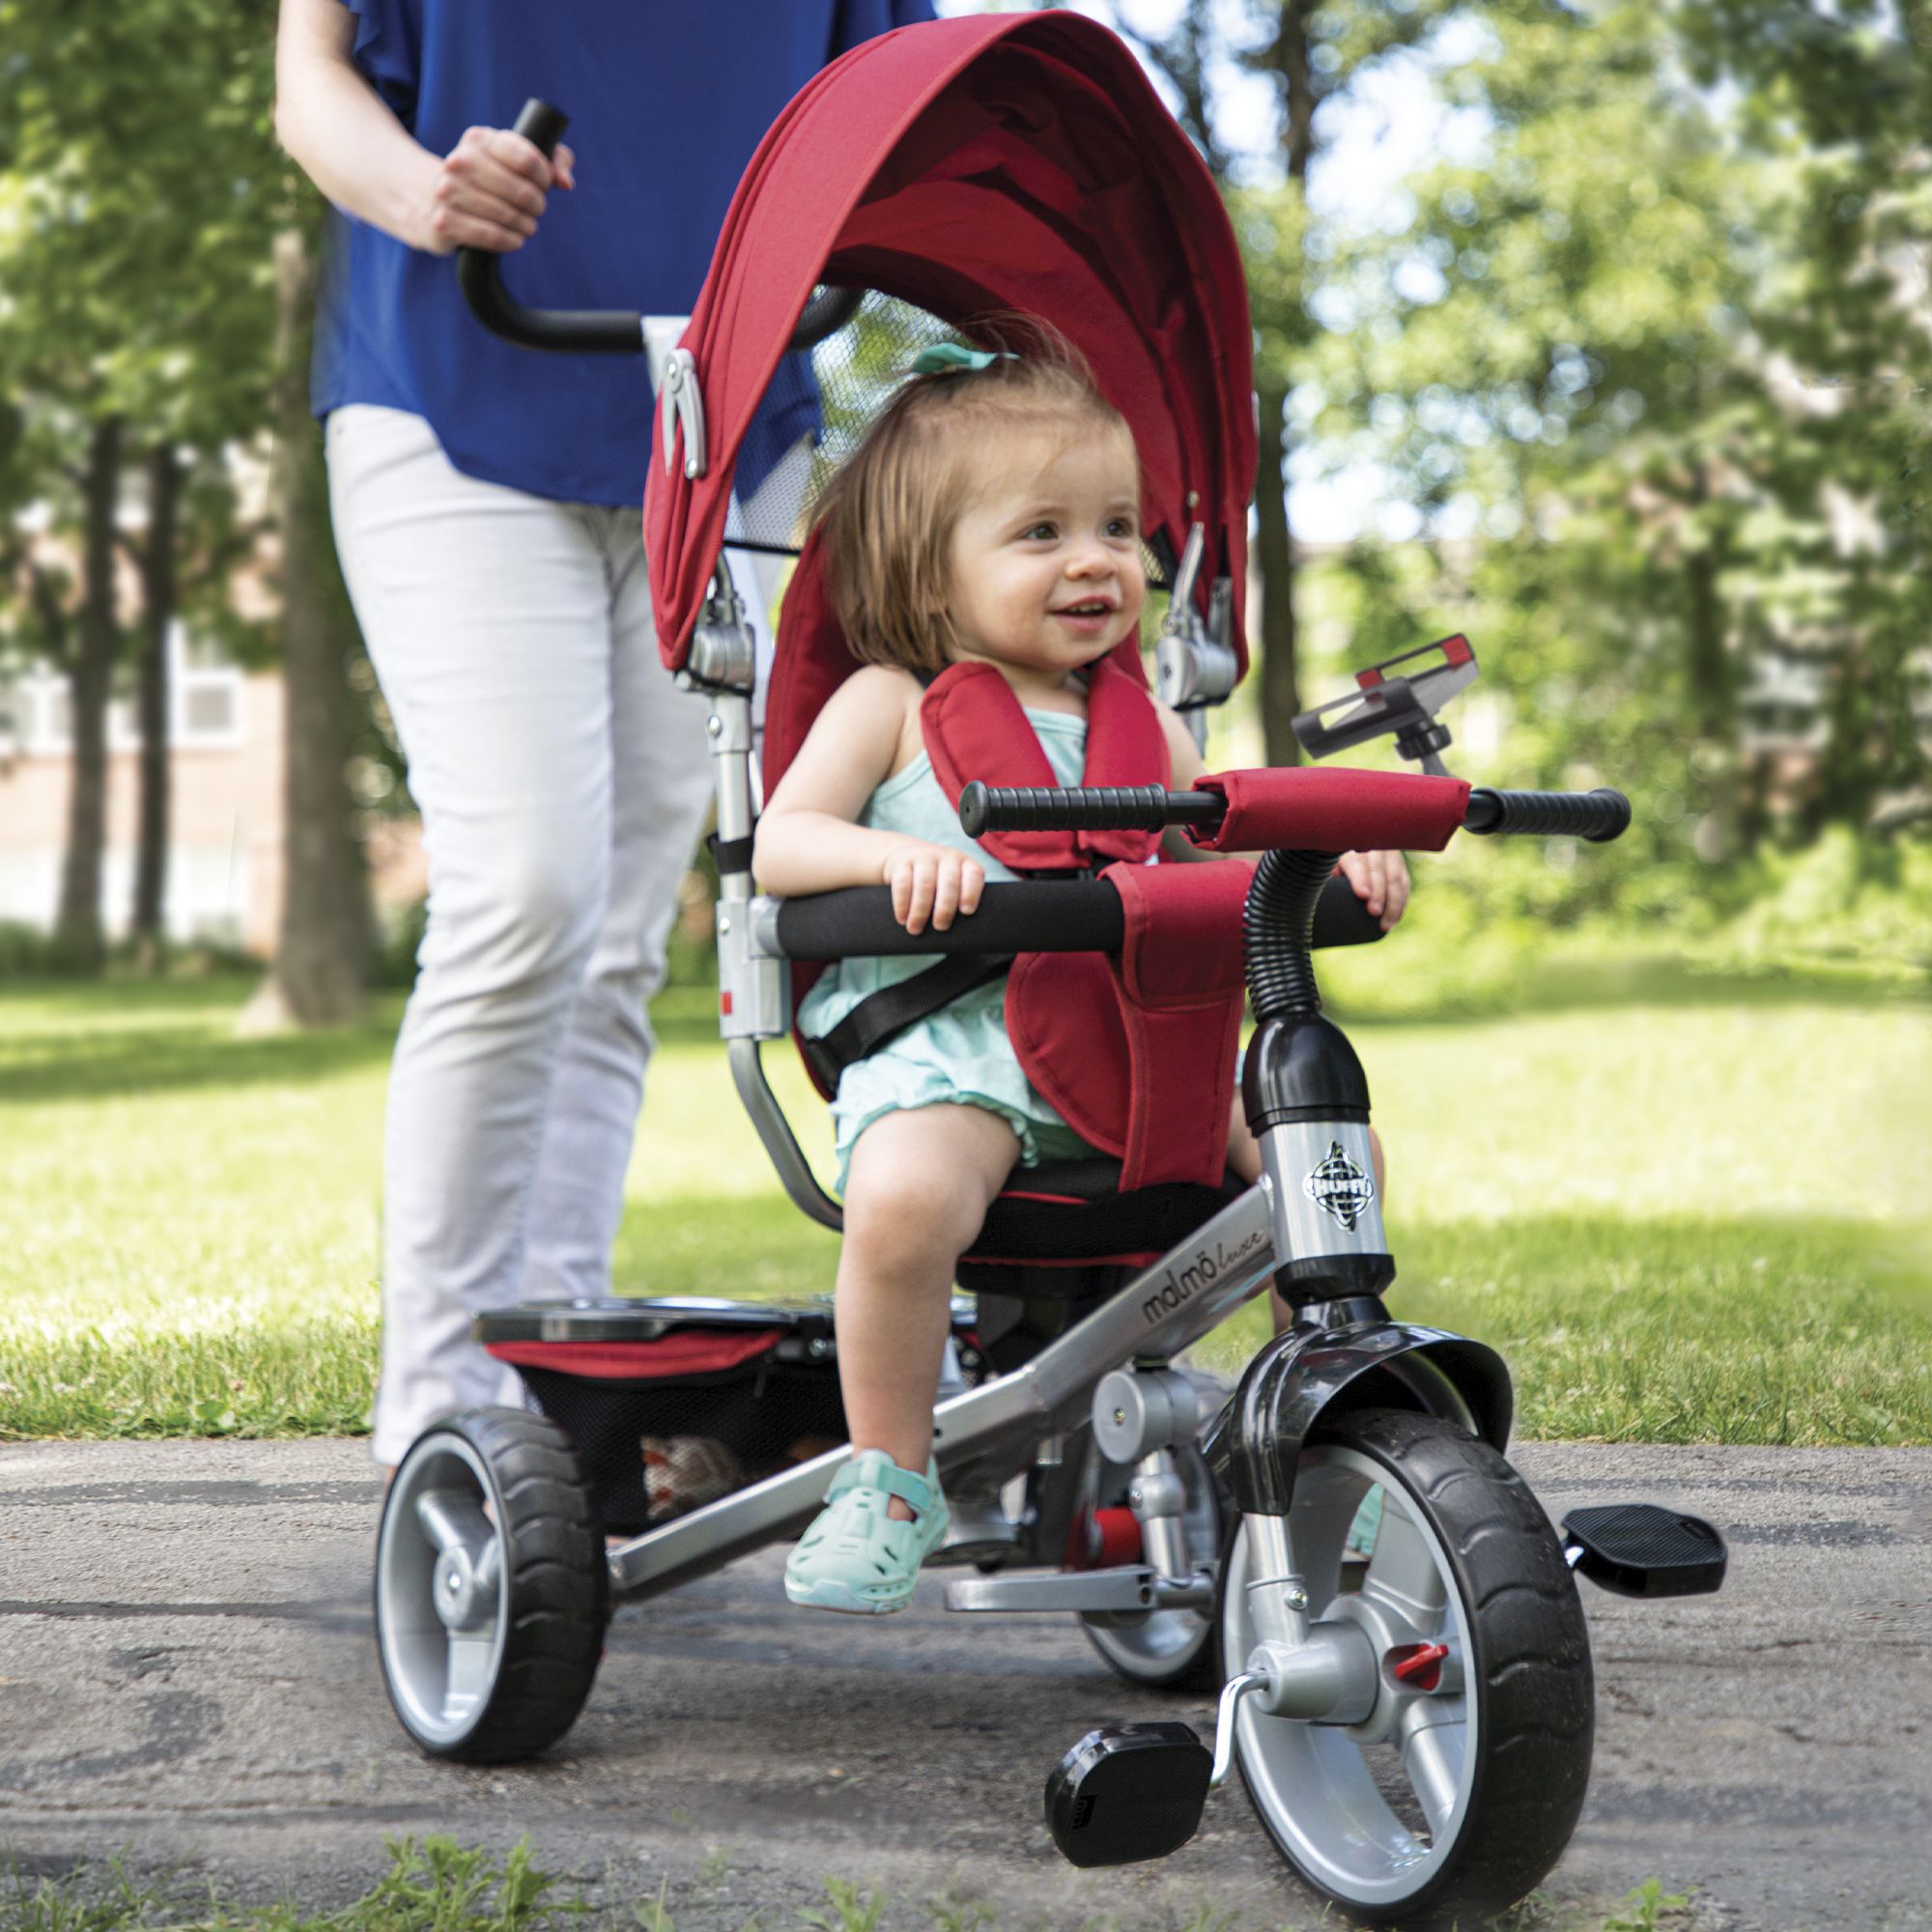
[{"x": 960, "y": 1055}]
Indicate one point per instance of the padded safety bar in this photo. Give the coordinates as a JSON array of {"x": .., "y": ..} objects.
[
  {"x": 1029, "y": 916},
  {"x": 1301, "y": 810}
]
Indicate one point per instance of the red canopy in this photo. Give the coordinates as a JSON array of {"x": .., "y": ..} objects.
[{"x": 1006, "y": 162}]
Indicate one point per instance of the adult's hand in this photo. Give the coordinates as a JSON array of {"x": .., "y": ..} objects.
[{"x": 489, "y": 192}]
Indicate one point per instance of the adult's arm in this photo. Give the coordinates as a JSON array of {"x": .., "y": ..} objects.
[{"x": 486, "y": 193}]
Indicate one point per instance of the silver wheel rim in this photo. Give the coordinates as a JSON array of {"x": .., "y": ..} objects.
[
  {"x": 1326, "y": 1791},
  {"x": 1158, "y": 1644},
  {"x": 442, "y": 1590}
]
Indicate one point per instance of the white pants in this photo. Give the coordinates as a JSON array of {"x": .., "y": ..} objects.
[{"x": 562, "y": 779}]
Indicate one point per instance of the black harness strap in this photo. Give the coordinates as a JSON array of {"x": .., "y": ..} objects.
[{"x": 882, "y": 1017}]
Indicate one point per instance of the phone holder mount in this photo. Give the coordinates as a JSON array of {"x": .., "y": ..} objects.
[{"x": 1402, "y": 704}]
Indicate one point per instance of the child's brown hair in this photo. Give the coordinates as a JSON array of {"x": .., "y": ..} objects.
[{"x": 887, "y": 516}]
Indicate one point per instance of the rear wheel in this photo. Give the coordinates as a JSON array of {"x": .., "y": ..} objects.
[
  {"x": 1163, "y": 1649},
  {"x": 492, "y": 1587},
  {"x": 1459, "y": 1791}
]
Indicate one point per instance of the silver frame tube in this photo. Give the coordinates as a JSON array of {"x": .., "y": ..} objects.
[{"x": 1166, "y": 1308}]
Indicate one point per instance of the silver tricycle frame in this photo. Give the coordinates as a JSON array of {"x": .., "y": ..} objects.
[{"x": 1308, "y": 1543}]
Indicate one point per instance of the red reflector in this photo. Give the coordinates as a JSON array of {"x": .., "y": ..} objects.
[
  {"x": 1368, "y": 679},
  {"x": 1418, "y": 1664},
  {"x": 1456, "y": 650},
  {"x": 1104, "y": 1540},
  {"x": 724, "y": 1001}
]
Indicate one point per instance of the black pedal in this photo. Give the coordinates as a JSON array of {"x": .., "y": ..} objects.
[
  {"x": 1129, "y": 1792},
  {"x": 1638, "y": 1549}
]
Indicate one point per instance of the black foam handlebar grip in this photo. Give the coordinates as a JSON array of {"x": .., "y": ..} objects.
[
  {"x": 1598, "y": 816},
  {"x": 1083, "y": 808},
  {"x": 1026, "y": 916},
  {"x": 543, "y": 125}
]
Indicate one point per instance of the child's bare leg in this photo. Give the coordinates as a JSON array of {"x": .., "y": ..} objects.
[
  {"x": 1244, "y": 1152},
  {"x": 917, "y": 1190},
  {"x": 1284, "y": 1317}
]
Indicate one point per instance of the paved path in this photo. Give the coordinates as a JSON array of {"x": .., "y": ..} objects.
[{"x": 187, "y": 1672}]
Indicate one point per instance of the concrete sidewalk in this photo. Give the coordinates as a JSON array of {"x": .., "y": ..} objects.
[{"x": 186, "y": 1674}]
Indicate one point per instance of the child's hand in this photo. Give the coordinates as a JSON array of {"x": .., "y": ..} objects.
[
  {"x": 1382, "y": 878},
  {"x": 930, "y": 883}
]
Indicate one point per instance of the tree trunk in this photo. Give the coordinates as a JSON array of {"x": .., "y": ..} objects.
[
  {"x": 78, "y": 933},
  {"x": 326, "y": 940},
  {"x": 1274, "y": 547},
  {"x": 1710, "y": 665},
  {"x": 1274, "y": 555},
  {"x": 157, "y": 613}
]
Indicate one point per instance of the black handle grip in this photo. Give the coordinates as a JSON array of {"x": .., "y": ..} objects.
[
  {"x": 593, "y": 331},
  {"x": 827, "y": 312},
  {"x": 1083, "y": 808},
  {"x": 1598, "y": 816},
  {"x": 598, "y": 331},
  {"x": 1029, "y": 916},
  {"x": 542, "y": 124}
]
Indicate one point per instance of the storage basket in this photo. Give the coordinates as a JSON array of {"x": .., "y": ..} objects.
[{"x": 676, "y": 1402}]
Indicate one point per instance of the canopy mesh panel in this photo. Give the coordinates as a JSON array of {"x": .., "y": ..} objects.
[{"x": 857, "y": 370}]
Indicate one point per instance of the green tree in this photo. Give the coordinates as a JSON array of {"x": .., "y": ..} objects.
[
  {"x": 1848, "y": 92},
  {"x": 1597, "y": 362},
  {"x": 1309, "y": 52},
  {"x": 138, "y": 197},
  {"x": 141, "y": 197}
]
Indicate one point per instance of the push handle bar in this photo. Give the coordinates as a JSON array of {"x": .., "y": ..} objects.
[
  {"x": 596, "y": 332},
  {"x": 1599, "y": 816},
  {"x": 1596, "y": 816}
]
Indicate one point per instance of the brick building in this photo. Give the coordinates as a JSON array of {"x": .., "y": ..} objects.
[{"x": 226, "y": 809}]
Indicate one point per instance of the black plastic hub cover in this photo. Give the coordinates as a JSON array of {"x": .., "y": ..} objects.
[
  {"x": 1639, "y": 1550},
  {"x": 1127, "y": 1792}
]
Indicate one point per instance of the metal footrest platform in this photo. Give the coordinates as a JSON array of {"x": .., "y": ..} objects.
[{"x": 1122, "y": 1591}]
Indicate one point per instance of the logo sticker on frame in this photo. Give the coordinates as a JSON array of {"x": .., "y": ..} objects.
[{"x": 1340, "y": 1186}]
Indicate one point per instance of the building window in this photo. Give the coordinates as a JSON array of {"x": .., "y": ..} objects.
[
  {"x": 205, "y": 687},
  {"x": 207, "y": 684}
]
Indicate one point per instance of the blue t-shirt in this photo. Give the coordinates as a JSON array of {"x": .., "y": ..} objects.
[{"x": 668, "y": 100}]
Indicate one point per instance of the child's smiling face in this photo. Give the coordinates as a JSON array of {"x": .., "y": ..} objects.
[{"x": 1046, "y": 561}]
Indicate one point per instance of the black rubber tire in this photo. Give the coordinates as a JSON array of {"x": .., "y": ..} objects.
[
  {"x": 558, "y": 1587},
  {"x": 1531, "y": 1674}
]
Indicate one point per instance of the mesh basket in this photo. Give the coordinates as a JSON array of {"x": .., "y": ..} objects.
[{"x": 675, "y": 1402}]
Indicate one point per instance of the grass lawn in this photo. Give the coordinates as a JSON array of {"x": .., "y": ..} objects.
[
  {"x": 437, "y": 1885},
  {"x": 1684, "y": 1211}
]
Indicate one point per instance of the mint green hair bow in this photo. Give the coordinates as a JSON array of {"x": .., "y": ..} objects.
[{"x": 944, "y": 358}]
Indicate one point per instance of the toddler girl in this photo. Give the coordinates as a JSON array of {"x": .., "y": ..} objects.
[{"x": 992, "y": 514}]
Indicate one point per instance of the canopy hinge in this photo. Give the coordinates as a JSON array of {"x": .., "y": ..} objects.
[{"x": 681, "y": 405}]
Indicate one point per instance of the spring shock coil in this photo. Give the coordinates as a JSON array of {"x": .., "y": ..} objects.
[{"x": 1277, "y": 928}]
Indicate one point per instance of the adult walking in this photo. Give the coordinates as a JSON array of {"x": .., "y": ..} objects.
[{"x": 486, "y": 503}]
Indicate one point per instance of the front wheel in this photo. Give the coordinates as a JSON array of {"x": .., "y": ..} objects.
[
  {"x": 1459, "y": 1791},
  {"x": 492, "y": 1587}
]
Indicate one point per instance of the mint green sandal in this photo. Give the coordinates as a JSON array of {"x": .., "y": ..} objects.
[{"x": 856, "y": 1557}]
